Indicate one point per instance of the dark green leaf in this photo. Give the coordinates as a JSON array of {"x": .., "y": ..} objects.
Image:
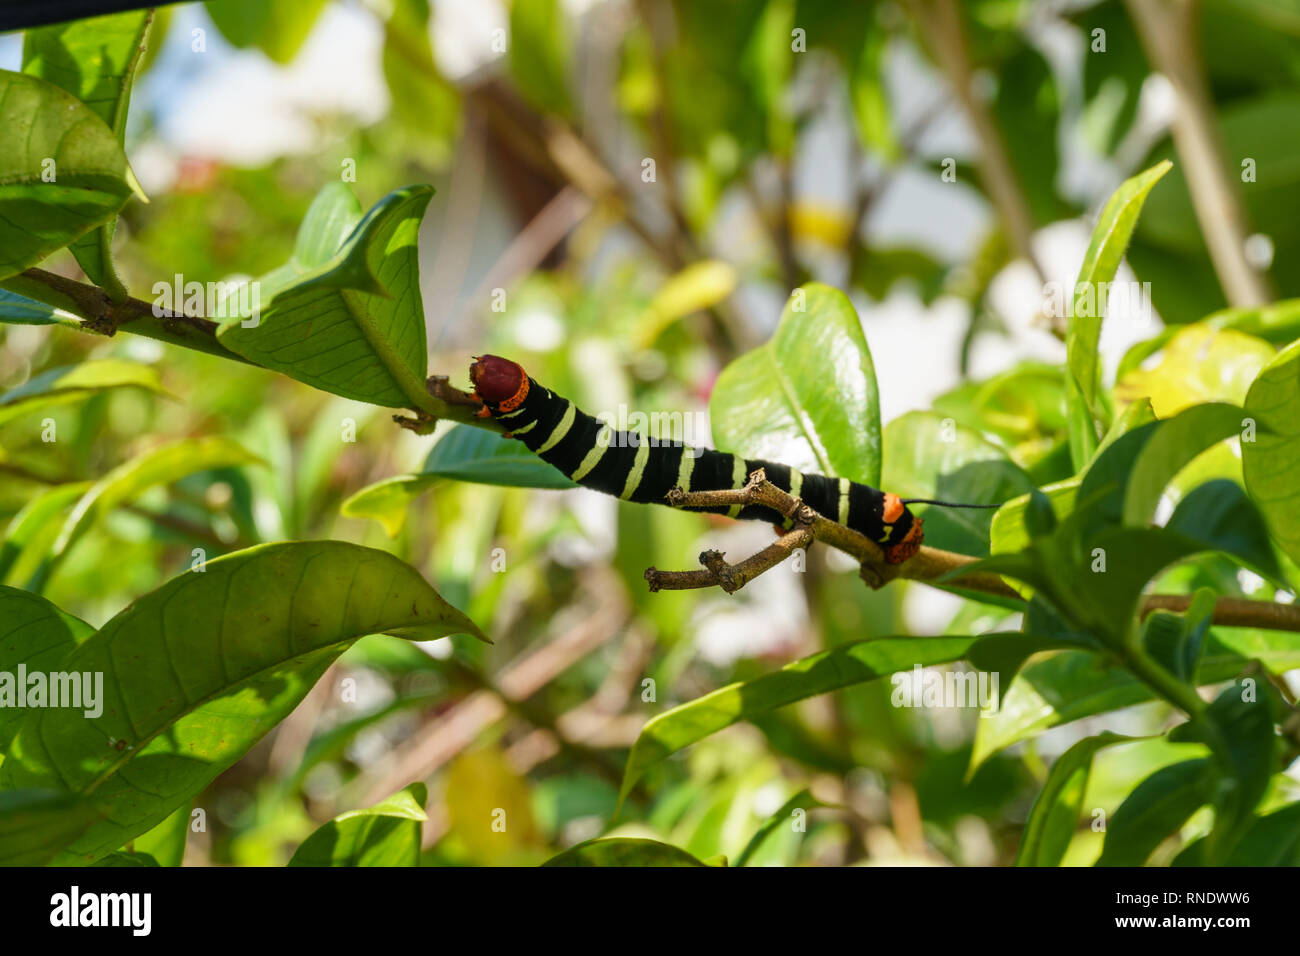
[{"x": 217, "y": 658}]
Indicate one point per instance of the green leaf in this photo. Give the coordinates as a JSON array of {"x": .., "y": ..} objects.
[
  {"x": 540, "y": 54},
  {"x": 276, "y": 27},
  {"x": 165, "y": 843},
  {"x": 387, "y": 834},
  {"x": 1055, "y": 813},
  {"x": 1159, "y": 806},
  {"x": 60, "y": 386},
  {"x": 17, "y": 309},
  {"x": 466, "y": 453},
  {"x": 927, "y": 455},
  {"x": 1173, "y": 444},
  {"x": 36, "y": 636},
  {"x": 1240, "y": 733},
  {"x": 1219, "y": 514},
  {"x": 623, "y": 851},
  {"x": 1270, "y": 840},
  {"x": 387, "y": 501},
  {"x": 354, "y": 324},
  {"x": 36, "y": 824},
  {"x": 119, "y": 858},
  {"x": 848, "y": 664},
  {"x": 803, "y": 800},
  {"x": 94, "y": 59},
  {"x": 1110, "y": 238},
  {"x": 62, "y": 171},
  {"x": 1071, "y": 685},
  {"x": 1199, "y": 364},
  {"x": 196, "y": 672},
  {"x": 1008, "y": 534},
  {"x": 1175, "y": 641},
  {"x": 161, "y": 466},
  {"x": 1275, "y": 322},
  {"x": 34, "y": 528},
  {"x": 785, "y": 402},
  {"x": 1271, "y": 462}
]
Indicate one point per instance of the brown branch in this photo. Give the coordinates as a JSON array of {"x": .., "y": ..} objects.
[
  {"x": 102, "y": 316},
  {"x": 928, "y": 565},
  {"x": 940, "y": 23},
  {"x": 1168, "y": 31}
]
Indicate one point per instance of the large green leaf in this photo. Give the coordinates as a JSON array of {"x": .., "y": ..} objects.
[
  {"x": 808, "y": 396},
  {"x": 387, "y": 834},
  {"x": 34, "y": 635},
  {"x": 623, "y": 851},
  {"x": 94, "y": 59},
  {"x": 1173, "y": 444},
  {"x": 59, "y": 386},
  {"x": 62, "y": 171},
  {"x": 352, "y": 324},
  {"x": 1055, "y": 813},
  {"x": 161, "y": 466},
  {"x": 199, "y": 670},
  {"x": 1276, "y": 322},
  {"x": 276, "y": 27},
  {"x": 1159, "y": 806},
  {"x": 36, "y": 824},
  {"x": 1071, "y": 685},
  {"x": 848, "y": 664},
  {"x": 1110, "y": 238},
  {"x": 1272, "y": 461}
]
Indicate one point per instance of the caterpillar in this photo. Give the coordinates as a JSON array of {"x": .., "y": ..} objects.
[{"x": 628, "y": 466}]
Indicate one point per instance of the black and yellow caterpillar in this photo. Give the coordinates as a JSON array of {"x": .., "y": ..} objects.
[{"x": 630, "y": 467}]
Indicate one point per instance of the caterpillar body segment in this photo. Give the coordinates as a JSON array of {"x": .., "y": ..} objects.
[{"x": 629, "y": 466}]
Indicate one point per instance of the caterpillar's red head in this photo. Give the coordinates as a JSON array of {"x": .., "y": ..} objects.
[{"x": 499, "y": 382}]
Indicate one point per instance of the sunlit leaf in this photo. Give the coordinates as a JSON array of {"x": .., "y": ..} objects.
[
  {"x": 1110, "y": 238},
  {"x": 94, "y": 59},
  {"x": 387, "y": 834},
  {"x": 623, "y": 851},
  {"x": 353, "y": 324},
  {"x": 1159, "y": 806},
  {"x": 62, "y": 171},
  {"x": 1055, "y": 813},
  {"x": 1272, "y": 461},
  {"x": 806, "y": 398}
]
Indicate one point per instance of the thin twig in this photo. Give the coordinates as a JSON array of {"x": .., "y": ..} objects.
[
  {"x": 928, "y": 565},
  {"x": 1168, "y": 30}
]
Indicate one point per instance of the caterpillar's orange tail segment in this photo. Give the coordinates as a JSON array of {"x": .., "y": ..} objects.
[{"x": 911, "y": 543}]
